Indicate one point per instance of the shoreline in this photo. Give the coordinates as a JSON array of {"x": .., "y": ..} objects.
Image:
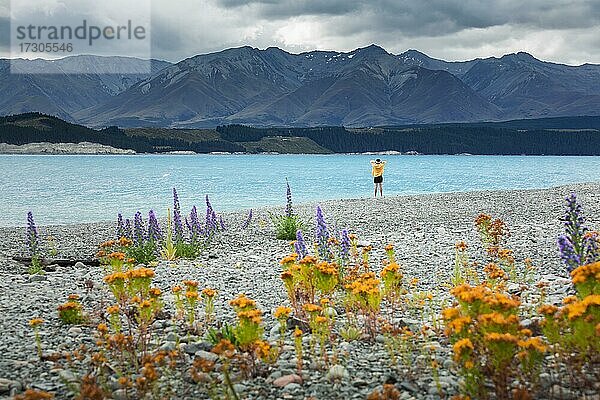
[
  {"x": 96, "y": 149},
  {"x": 314, "y": 203}
]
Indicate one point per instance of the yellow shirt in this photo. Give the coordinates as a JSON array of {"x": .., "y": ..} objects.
[{"x": 378, "y": 169}]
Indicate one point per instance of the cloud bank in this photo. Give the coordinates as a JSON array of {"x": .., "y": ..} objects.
[{"x": 554, "y": 30}]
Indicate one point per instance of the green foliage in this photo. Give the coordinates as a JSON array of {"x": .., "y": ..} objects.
[
  {"x": 188, "y": 250},
  {"x": 214, "y": 335},
  {"x": 36, "y": 266},
  {"x": 71, "y": 313},
  {"x": 532, "y": 137},
  {"x": 143, "y": 253},
  {"x": 286, "y": 226}
]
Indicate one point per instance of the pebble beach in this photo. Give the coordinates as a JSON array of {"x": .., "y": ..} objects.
[{"x": 423, "y": 229}]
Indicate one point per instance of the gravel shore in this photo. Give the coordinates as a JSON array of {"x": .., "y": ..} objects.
[{"x": 424, "y": 229}]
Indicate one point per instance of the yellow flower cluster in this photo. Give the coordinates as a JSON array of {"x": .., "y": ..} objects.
[
  {"x": 506, "y": 255},
  {"x": 579, "y": 308},
  {"x": 253, "y": 315},
  {"x": 289, "y": 259},
  {"x": 483, "y": 219},
  {"x": 461, "y": 246},
  {"x": 191, "y": 296},
  {"x": 177, "y": 289},
  {"x": 534, "y": 343},
  {"x": 493, "y": 271},
  {"x": 208, "y": 292},
  {"x": 108, "y": 243},
  {"x": 457, "y": 325},
  {"x": 191, "y": 285},
  {"x": 140, "y": 273},
  {"x": 547, "y": 309},
  {"x": 462, "y": 347},
  {"x": 481, "y": 293},
  {"x": 115, "y": 276},
  {"x": 312, "y": 308},
  {"x": 365, "y": 285},
  {"x": 113, "y": 309},
  {"x": 326, "y": 268},
  {"x": 586, "y": 272},
  {"x": 308, "y": 260},
  {"x": 117, "y": 255},
  {"x": 498, "y": 319},
  {"x": 282, "y": 312},
  {"x": 390, "y": 271},
  {"x": 242, "y": 303},
  {"x": 69, "y": 305},
  {"x": 224, "y": 348},
  {"x": 501, "y": 337}
]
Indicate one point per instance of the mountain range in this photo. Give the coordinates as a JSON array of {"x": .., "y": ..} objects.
[{"x": 271, "y": 87}]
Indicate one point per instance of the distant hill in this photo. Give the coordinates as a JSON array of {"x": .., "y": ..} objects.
[
  {"x": 550, "y": 136},
  {"x": 366, "y": 87},
  {"x": 56, "y": 87}
]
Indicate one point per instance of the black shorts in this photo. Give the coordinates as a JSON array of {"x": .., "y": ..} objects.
[{"x": 378, "y": 179}]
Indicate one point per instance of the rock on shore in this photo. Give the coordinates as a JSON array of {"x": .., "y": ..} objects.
[{"x": 61, "y": 148}]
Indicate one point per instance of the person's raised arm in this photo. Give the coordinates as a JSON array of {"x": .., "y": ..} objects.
[{"x": 372, "y": 162}]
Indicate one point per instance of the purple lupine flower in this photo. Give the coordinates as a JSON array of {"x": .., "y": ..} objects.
[
  {"x": 288, "y": 208},
  {"x": 188, "y": 226},
  {"x": 248, "y": 220},
  {"x": 567, "y": 253},
  {"x": 154, "y": 231},
  {"x": 127, "y": 229},
  {"x": 344, "y": 245},
  {"x": 222, "y": 223},
  {"x": 591, "y": 246},
  {"x": 571, "y": 246},
  {"x": 195, "y": 226},
  {"x": 177, "y": 224},
  {"x": 322, "y": 235},
  {"x": 139, "y": 234},
  {"x": 211, "y": 218},
  {"x": 33, "y": 238},
  {"x": 120, "y": 231},
  {"x": 300, "y": 245}
]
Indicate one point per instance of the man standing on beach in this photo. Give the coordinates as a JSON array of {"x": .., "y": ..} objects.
[{"x": 377, "y": 172}]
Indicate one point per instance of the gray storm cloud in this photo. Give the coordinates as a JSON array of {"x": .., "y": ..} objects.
[{"x": 555, "y": 30}]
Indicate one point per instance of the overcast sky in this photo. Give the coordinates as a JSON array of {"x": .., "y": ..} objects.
[{"x": 566, "y": 31}]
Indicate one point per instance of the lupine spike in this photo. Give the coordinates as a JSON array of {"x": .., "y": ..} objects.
[
  {"x": 573, "y": 246},
  {"x": 288, "y": 208},
  {"x": 345, "y": 245},
  {"x": 591, "y": 245},
  {"x": 127, "y": 230},
  {"x": 222, "y": 223},
  {"x": 33, "y": 238},
  {"x": 300, "y": 245},
  {"x": 322, "y": 235},
  {"x": 248, "y": 220},
  {"x": 120, "y": 231},
  {"x": 177, "y": 223},
  {"x": 195, "y": 226},
  {"x": 154, "y": 231},
  {"x": 188, "y": 226},
  {"x": 138, "y": 229}
]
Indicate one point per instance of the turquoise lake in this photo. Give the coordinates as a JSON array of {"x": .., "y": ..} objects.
[{"x": 72, "y": 189}]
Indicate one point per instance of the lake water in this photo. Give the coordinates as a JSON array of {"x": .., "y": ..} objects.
[{"x": 72, "y": 189}]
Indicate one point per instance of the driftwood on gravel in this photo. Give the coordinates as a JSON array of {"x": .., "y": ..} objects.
[{"x": 59, "y": 261}]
